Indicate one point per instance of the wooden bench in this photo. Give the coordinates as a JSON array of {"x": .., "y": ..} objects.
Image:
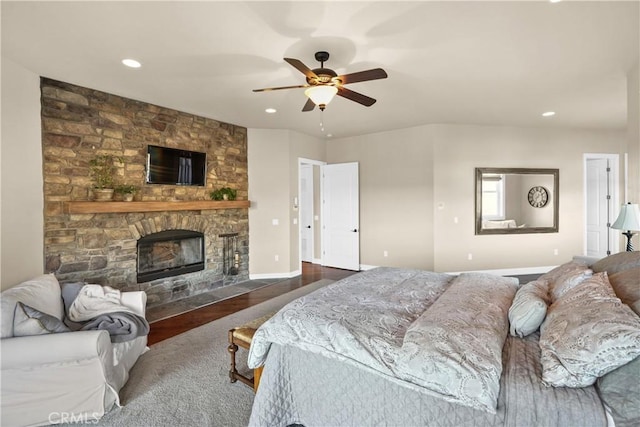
[{"x": 242, "y": 336}]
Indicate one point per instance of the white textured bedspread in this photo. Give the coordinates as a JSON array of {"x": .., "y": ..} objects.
[
  {"x": 457, "y": 327},
  {"x": 362, "y": 318}
]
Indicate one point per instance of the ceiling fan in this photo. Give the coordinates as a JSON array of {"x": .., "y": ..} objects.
[{"x": 324, "y": 83}]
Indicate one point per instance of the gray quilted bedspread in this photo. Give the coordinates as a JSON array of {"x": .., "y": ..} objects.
[
  {"x": 330, "y": 358},
  {"x": 299, "y": 387}
]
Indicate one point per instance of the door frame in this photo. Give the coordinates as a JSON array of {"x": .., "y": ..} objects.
[
  {"x": 303, "y": 161},
  {"x": 614, "y": 164},
  {"x": 306, "y": 210}
]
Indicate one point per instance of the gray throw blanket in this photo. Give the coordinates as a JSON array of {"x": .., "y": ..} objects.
[{"x": 121, "y": 325}]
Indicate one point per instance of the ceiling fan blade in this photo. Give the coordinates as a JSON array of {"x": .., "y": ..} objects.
[
  {"x": 298, "y": 65},
  {"x": 355, "y": 96},
  {"x": 309, "y": 105},
  {"x": 361, "y": 76},
  {"x": 267, "y": 89}
]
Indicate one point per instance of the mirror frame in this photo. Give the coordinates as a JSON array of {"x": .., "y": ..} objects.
[{"x": 527, "y": 230}]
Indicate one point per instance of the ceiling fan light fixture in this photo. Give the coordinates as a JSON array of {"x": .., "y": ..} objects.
[{"x": 321, "y": 95}]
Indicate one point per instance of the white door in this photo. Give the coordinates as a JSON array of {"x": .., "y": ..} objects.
[
  {"x": 340, "y": 216},
  {"x": 599, "y": 206},
  {"x": 306, "y": 213}
]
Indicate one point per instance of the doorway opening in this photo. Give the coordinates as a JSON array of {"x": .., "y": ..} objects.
[
  {"x": 309, "y": 211},
  {"x": 328, "y": 214}
]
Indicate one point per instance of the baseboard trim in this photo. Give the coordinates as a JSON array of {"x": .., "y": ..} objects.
[
  {"x": 510, "y": 271},
  {"x": 497, "y": 272},
  {"x": 365, "y": 267},
  {"x": 288, "y": 275}
]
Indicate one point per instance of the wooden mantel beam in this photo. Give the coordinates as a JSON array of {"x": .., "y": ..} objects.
[{"x": 83, "y": 207}]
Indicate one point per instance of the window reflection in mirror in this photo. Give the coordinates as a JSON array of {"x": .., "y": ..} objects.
[{"x": 516, "y": 200}]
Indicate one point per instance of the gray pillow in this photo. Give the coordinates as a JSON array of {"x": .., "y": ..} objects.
[
  {"x": 617, "y": 262},
  {"x": 626, "y": 283},
  {"x": 69, "y": 293},
  {"x": 620, "y": 390},
  {"x": 28, "y": 321},
  {"x": 529, "y": 308}
]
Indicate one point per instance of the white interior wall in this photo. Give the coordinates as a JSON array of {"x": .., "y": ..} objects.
[
  {"x": 273, "y": 183},
  {"x": 468, "y": 147},
  {"x": 22, "y": 199},
  {"x": 268, "y": 165},
  {"x": 633, "y": 139},
  {"x": 417, "y": 193},
  {"x": 396, "y": 195}
]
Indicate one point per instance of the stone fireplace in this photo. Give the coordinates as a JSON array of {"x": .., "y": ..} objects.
[{"x": 99, "y": 242}]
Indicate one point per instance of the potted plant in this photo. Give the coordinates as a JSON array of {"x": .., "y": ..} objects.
[
  {"x": 224, "y": 193},
  {"x": 103, "y": 169},
  {"x": 126, "y": 191}
]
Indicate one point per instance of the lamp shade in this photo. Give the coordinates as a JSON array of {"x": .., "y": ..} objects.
[
  {"x": 629, "y": 218},
  {"x": 321, "y": 95}
]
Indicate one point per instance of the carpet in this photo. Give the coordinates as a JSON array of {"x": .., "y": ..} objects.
[{"x": 184, "y": 381}]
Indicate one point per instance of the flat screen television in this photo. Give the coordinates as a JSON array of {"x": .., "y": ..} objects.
[{"x": 175, "y": 167}]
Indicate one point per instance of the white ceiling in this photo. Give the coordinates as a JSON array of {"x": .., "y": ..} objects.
[{"x": 471, "y": 62}]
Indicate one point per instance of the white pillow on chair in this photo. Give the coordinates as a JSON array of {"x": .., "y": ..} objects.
[
  {"x": 28, "y": 321},
  {"x": 42, "y": 293}
]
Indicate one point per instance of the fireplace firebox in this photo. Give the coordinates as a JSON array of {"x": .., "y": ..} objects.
[{"x": 169, "y": 253}]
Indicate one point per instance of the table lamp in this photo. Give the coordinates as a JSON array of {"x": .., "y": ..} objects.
[{"x": 628, "y": 219}]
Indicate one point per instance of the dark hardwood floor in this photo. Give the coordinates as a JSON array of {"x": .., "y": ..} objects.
[
  {"x": 175, "y": 325},
  {"x": 166, "y": 328}
]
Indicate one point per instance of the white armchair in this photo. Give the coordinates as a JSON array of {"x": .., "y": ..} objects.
[{"x": 61, "y": 377}]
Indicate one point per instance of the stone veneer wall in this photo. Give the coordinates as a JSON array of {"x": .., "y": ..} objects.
[{"x": 77, "y": 124}]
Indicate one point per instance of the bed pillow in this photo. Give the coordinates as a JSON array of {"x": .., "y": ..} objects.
[
  {"x": 587, "y": 333},
  {"x": 573, "y": 265},
  {"x": 28, "y": 321},
  {"x": 617, "y": 262},
  {"x": 626, "y": 284},
  {"x": 620, "y": 390},
  {"x": 529, "y": 308},
  {"x": 567, "y": 281}
]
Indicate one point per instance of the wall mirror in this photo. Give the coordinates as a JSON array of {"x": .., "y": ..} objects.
[{"x": 516, "y": 200}]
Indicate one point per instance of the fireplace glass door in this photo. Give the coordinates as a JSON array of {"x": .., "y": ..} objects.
[{"x": 170, "y": 253}]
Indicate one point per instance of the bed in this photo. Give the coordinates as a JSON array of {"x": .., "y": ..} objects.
[{"x": 408, "y": 347}]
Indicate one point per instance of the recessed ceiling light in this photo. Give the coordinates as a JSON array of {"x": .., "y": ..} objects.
[
  {"x": 270, "y": 110},
  {"x": 329, "y": 135},
  {"x": 555, "y": 1},
  {"x": 549, "y": 114},
  {"x": 131, "y": 63}
]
